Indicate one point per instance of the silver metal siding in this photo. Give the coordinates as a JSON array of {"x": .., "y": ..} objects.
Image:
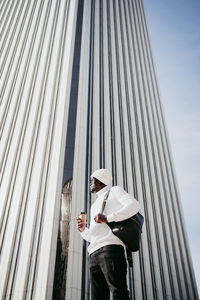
[
  {"x": 125, "y": 131},
  {"x": 37, "y": 51},
  {"x": 120, "y": 125}
]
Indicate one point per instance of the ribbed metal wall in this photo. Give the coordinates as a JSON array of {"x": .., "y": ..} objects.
[
  {"x": 120, "y": 125},
  {"x": 37, "y": 40}
]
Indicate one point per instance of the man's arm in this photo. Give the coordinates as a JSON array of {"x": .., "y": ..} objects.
[
  {"x": 130, "y": 206},
  {"x": 84, "y": 231},
  {"x": 81, "y": 225},
  {"x": 100, "y": 218}
]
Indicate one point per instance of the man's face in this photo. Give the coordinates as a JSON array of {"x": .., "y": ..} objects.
[{"x": 93, "y": 186}]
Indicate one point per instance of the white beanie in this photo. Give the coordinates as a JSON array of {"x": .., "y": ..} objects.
[{"x": 103, "y": 175}]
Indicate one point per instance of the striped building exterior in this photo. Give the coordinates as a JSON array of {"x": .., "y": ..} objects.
[{"x": 79, "y": 92}]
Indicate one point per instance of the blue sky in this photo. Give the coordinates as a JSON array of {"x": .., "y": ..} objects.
[{"x": 174, "y": 28}]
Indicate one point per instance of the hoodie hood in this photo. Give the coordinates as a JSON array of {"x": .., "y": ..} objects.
[{"x": 103, "y": 175}]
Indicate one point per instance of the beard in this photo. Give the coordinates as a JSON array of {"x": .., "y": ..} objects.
[{"x": 93, "y": 188}]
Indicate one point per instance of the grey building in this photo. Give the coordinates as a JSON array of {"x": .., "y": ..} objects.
[{"x": 79, "y": 92}]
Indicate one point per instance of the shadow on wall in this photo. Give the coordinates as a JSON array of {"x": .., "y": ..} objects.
[{"x": 62, "y": 244}]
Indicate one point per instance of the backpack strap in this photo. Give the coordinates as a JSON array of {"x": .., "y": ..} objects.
[{"x": 104, "y": 201}]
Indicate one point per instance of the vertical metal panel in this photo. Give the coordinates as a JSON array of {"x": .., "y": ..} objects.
[
  {"x": 36, "y": 75},
  {"x": 124, "y": 130}
]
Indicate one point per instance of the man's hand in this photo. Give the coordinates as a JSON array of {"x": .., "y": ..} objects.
[
  {"x": 81, "y": 225},
  {"x": 100, "y": 218}
]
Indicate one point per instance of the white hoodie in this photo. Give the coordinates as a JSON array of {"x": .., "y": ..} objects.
[{"x": 119, "y": 206}]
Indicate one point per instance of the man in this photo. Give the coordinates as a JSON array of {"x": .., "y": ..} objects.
[{"x": 108, "y": 265}]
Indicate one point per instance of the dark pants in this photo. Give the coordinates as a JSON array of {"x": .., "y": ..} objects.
[{"x": 108, "y": 270}]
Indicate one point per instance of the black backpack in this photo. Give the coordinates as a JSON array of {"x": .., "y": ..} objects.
[{"x": 128, "y": 231}]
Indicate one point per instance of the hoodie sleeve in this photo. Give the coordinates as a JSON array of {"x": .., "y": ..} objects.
[
  {"x": 86, "y": 235},
  {"x": 129, "y": 205}
]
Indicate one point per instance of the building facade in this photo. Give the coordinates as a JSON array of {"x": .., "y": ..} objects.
[{"x": 79, "y": 92}]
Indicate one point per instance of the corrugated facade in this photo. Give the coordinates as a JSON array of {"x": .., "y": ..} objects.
[
  {"x": 79, "y": 92},
  {"x": 37, "y": 46}
]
